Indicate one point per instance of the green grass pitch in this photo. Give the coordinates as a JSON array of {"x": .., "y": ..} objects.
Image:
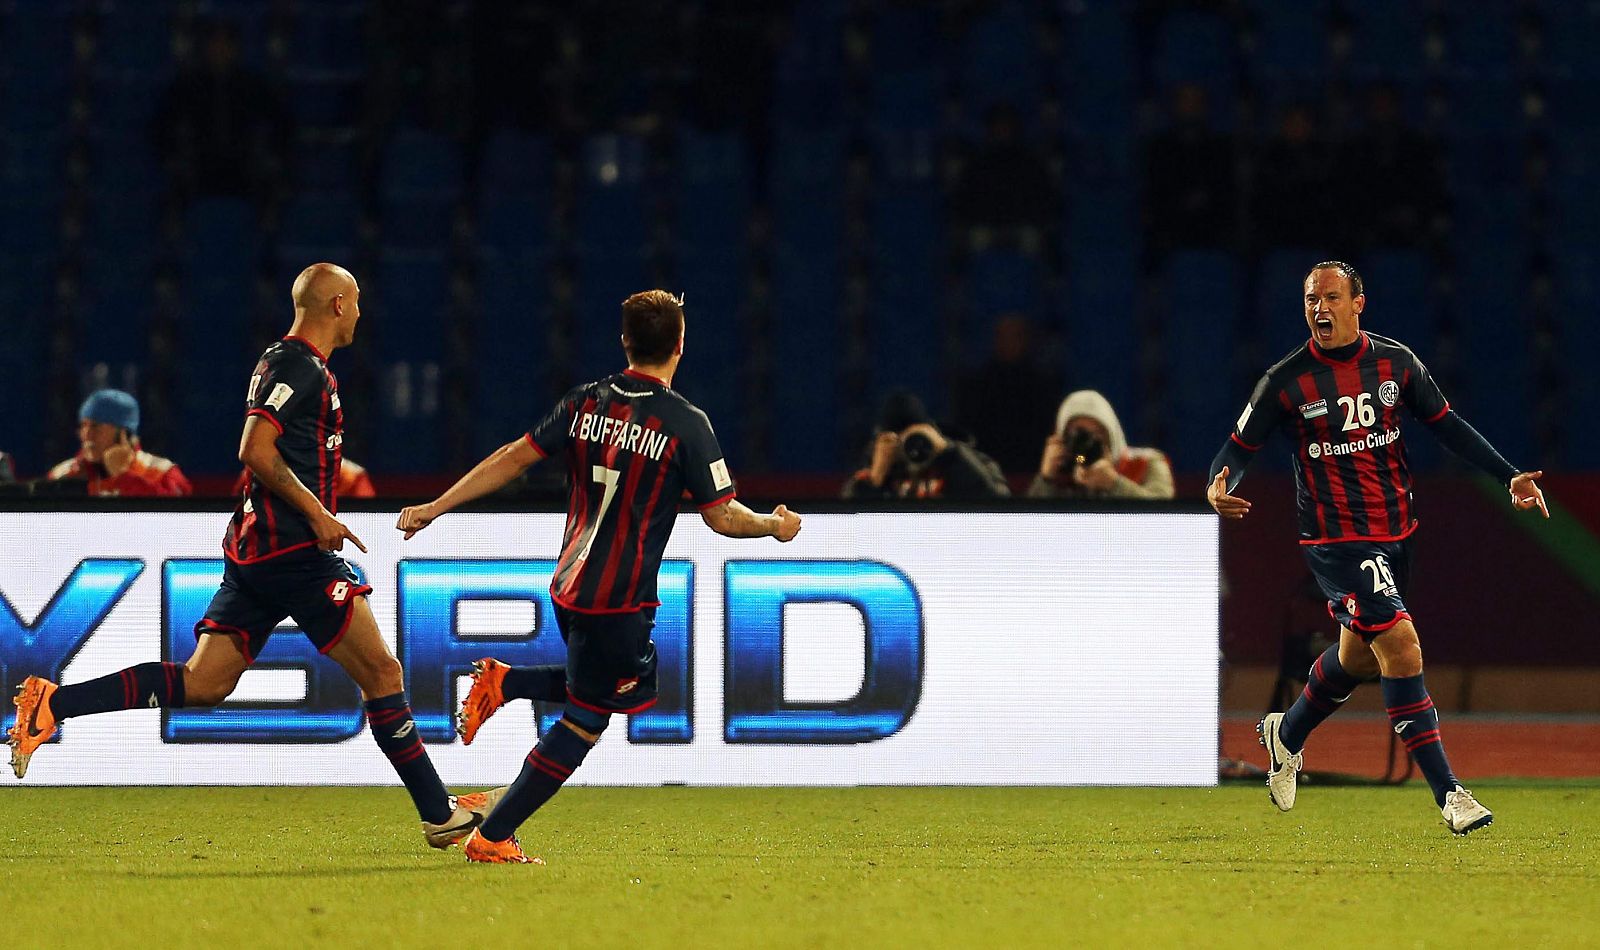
[{"x": 864, "y": 867}]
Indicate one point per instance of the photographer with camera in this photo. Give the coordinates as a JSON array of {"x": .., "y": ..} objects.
[
  {"x": 1089, "y": 457},
  {"x": 912, "y": 458}
]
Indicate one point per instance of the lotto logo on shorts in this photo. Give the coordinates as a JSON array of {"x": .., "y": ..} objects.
[
  {"x": 339, "y": 592},
  {"x": 627, "y": 685},
  {"x": 1352, "y": 606}
]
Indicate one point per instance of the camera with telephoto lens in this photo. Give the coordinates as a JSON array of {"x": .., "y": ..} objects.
[
  {"x": 917, "y": 449},
  {"x": 1084, "y": 447}
]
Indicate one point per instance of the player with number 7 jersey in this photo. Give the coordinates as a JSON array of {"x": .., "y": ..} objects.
[
  {"x": 633, "y": 446},
  {"x": 1338, "y": 397}
]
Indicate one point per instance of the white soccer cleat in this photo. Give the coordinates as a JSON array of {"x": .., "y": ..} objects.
[
  {"x": 1462, "y": 813},
  {"x": 470, "y": 811},
  {"x": 1283, "y": 769}
]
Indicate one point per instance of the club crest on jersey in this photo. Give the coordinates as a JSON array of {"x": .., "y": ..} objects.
[
  {"x": 1314, "y": 450},
  {"x": 1389, "y": 392},
  {"x": 1313, "y": 410}
]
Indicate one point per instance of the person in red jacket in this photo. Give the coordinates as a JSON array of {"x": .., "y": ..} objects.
[{"x": 111, "y": 459}]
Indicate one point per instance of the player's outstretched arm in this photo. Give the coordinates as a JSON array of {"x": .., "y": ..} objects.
[
  {"x": 732, "y": 519},
  {"x": 258, "y": 450},
  {"x": 489, "y": 475}
]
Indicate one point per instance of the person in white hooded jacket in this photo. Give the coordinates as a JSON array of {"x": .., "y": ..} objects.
[{"x": 1087, "y": 456}]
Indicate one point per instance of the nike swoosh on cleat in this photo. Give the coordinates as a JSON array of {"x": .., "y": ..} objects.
[
  {"x": 33, "y": 720},
  {"x": 468, "y": 825}
]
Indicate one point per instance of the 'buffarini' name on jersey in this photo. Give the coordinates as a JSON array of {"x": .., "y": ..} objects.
[{"x": 629, "y": 436}]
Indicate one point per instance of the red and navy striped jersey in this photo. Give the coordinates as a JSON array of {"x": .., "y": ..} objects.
[
  {"x": 293, "y": 389},
  {"x": 633, "y": 446},
  {"x": 1342, "y": 409}
]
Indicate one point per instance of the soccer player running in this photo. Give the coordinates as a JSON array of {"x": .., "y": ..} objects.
[
  {"x": 281, "y": 563},
  {"x": 633, "y": 445},
  {"x": 1338, "y": 395}
]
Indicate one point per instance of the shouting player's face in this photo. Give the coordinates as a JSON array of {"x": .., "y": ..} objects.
[{"x": 1332, "y": 314}]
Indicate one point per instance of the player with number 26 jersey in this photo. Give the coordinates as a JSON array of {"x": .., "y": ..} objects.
[{"x": 1338, "y": 397}]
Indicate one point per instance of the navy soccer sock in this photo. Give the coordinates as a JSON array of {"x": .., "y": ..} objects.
[
  {"x": 1416, "y": 722},
  {"x": 544, "y": 771},
  {"x": 137, "y": 687},
  {"x": 1327, "y": 687},
  {"x": 545, "y": 684},
  {"x": 396, "y": 734}
]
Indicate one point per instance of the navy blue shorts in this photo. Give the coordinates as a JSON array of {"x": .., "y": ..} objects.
[
  {"x": 611, "y": 660},
  {"x": 317, "y": 588},
  {"x": 1365, "y": 582}
]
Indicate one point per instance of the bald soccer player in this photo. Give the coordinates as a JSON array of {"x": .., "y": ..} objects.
[{"x": 282, "y": 561}]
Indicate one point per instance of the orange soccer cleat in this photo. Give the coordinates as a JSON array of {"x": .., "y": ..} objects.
[
  {"x": 496, "y": 852},
  {"x": 35, "y": 723},
  {"x": 485, "y": 697}
]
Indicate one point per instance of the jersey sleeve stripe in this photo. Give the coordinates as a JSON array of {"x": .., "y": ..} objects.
[
  {"x": 1242, "y": 443},
  {"x": 529, "y": 437},
  {"x": 267, "y": 416},
  {"x": 731, "y": 495},
  {"x": 1439, "y": 415}
]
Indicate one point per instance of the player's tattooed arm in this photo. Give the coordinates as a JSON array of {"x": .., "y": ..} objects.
[
  {"x": 732, "y": 519},
  {"x": 489, "y": 475},
  {"x": 258, "y": 450}
]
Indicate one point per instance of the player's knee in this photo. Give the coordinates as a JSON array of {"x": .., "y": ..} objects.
[
  {"x": 384, "y": 677},
  {"x": 203, "y": 690},
  {"x": 585, "y": 722}
]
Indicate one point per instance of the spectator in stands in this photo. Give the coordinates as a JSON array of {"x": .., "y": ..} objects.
[
  {"x": 1393, "y": 178},
  {"x": 111, "y": 461},
  {"x": 8, "y": 470},
  {"x": 222, "y": 129},
  {"x": 1005, "y": 403},
  {"x": 1087, "y": 456},
  {"x": 1004, "y": 191},
  {"x": 1190, "y": 196},
  {"x": 1291, "y": 179},
  {"x": 911, "y": 458}
]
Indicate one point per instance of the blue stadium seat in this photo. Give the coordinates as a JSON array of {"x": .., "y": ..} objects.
[
  {"x": 32, "y": 165},
  {"x": 905, "y": 38},
  {"x": 1195, "y": 47},
  {"x": 1291, "y": 41},
  {"x": 420, "y": 164},
  {"x": 515, "y": 226},
  {"x": 810, "y": 66},
  {"x": 905, "y": 337},
  {"x": 604, "y": 281},
  {"x": 420, "y": 225},
  {"x": 318, "y": 226},
  {"x": 716, "y": 344},
  {"x": 1102, "y": 299},
  {"x": 1494, "y": 388},
  {"x": 1387, "y": 41},
  {"x": 41, "y": 65},
  {"x": 515, "y": 164},
  {"x": 325, "y": 165},
  {"x": 327, "y": 37},
  {"x": 1099, "y": 72},
  {"x": 1399, "y": 287},
  {"x": 24, "y": 363},
  {"x": 410, "y": 307},
  {"x": 1577, "y": 282},
  {"x": 1484, "y": 42},
  {"x": 907, "y": 100},
  {"x": 612, "y": 203},
  {"x": 322, "y": 102},
  {"x": 118, "y": 303},
  {"x": 999, "y": 281},
  {"x": 808, "y": 188},
  {"x": 1572, "y": 39},
  {"x": 511, "y": 353},
  {"x": 134, "y": 40},
  {"x": 1000, "y": 59},
  {"x": 1201, "y": 294},
  {"x": 804, "y": 341}
]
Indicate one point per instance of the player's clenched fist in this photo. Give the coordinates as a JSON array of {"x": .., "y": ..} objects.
[
  {"x": 788, "y": 523},
  {"x": 1226, "y": 505},
  {"x": 414, "y": 519}
]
